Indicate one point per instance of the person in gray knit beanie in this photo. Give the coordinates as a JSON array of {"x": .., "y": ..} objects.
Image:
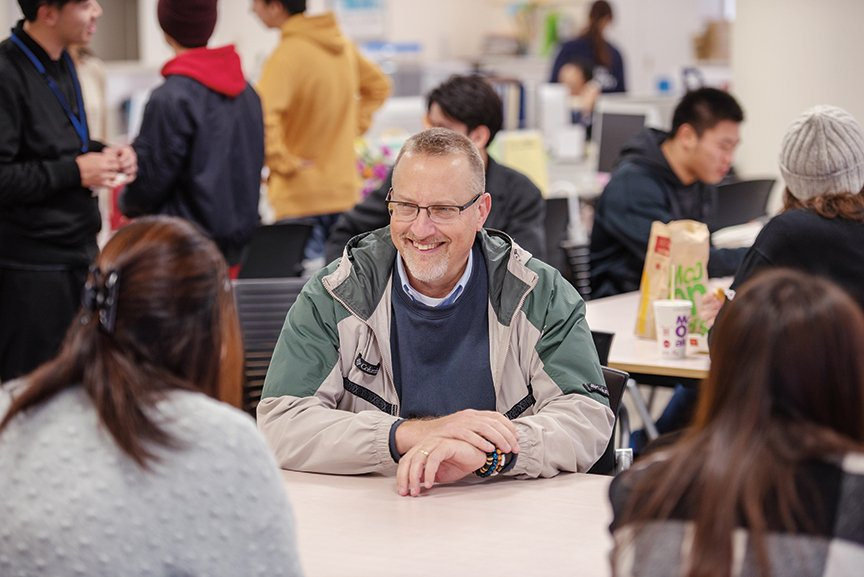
[
  {"x": 820, "y": 229},
  {"x": 823, "y": 153}
]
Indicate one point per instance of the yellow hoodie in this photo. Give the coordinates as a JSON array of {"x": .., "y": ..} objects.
[{"x": 318, "y": 94}]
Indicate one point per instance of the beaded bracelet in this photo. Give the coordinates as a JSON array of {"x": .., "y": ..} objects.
[{"x": 495, "y": 462}]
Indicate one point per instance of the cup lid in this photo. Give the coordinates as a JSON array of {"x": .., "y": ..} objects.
[{"x": 672, "y": 303}]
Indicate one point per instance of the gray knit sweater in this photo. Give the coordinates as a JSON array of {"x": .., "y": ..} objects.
[{"x": 72, "y": 504}]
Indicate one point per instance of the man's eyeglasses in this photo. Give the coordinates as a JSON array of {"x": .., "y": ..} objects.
[{"x": 438, "y": 213}]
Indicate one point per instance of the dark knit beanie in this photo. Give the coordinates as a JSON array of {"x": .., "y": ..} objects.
[{"x": 189, "y": 22}]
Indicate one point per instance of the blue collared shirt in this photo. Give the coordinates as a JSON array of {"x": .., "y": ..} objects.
[{"x": 417, "y": 296}]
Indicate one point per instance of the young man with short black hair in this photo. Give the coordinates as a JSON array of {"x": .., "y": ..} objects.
[
  {"x": 665, "y": 177},
  {"x": 49, "y": 215}
]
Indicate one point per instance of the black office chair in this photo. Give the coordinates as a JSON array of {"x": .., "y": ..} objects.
[
  {"x": 262, "y": 305},
  {"x": 603, "y": 344},
  {"x": 275, "y": 251},
  {"x": 616, "y": 382},
  {"x": 556, "y": 222},
  {"x": 578, "y": 259},
  {"x": 740, "y": 202}
]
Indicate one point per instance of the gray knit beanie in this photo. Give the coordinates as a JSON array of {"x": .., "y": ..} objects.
[{"x": 823, "y": 153}]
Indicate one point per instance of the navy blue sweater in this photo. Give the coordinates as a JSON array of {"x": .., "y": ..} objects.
[{"x": 441, "y": 355}]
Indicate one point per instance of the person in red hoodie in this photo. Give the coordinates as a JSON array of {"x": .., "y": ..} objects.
[{"x": 201, "y": 145}]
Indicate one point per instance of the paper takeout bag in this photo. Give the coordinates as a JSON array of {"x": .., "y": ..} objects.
[{"x": 676, "y": 266}]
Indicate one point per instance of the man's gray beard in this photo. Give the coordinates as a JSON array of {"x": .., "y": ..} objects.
[{"x": 427, "y": 274}]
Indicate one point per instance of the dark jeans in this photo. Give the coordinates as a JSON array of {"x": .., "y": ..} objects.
[{"x": 36, "y": 308}]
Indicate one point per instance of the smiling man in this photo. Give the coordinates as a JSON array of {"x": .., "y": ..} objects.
[
  {"x": 470, "y": 106},
  {"x": 665, "y": 177},
  {"x": 436, "y": 349},
  {"x": 49, "y": 166}
]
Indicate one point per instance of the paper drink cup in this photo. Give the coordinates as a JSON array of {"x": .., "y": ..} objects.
[{"x": 671, "y": 318}]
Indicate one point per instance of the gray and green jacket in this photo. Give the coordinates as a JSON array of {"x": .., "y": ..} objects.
[{"x": 329, "y": 398}]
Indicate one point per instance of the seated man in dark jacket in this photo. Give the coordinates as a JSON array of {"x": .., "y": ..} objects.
[
  {"x": 470, "y": 106},
  {"x": 665, "y": 177},
  {"x": 201, "y": 146}
]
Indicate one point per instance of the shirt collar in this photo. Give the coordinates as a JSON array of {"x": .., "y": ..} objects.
[
  {"x": 433, "y": 302},
  {"x": 33, "y": 45}
]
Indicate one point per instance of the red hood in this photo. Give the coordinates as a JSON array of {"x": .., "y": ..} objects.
[{"x": 216, "y": 68}]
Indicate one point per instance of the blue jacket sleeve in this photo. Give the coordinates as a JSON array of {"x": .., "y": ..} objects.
[
  {"x": 724, "y": 261},
  {"x": 162, "y": 147},
  {"x": 631, "y": 204}
]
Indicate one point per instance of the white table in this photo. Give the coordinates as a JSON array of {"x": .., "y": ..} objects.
[
  {"x": 639, "y": 356},
  {"x": 359, "y": 525}
]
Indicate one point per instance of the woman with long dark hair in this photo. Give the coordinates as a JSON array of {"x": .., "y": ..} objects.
[
  {"x": 769, "y": 478},
  {"x": 115, "y": 458},
  {"x": 591, "y": 49}
]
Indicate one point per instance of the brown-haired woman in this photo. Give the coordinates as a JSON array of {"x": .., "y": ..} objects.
[
  {"x": 591, "y": 48},
  {"x": 115, "y": 459},
  {"x": 769, "y": 478},
  {"x": 821, "y": 229}
]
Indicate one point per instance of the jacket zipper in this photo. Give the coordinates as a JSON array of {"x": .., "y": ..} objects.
[
  {"x": 395, "y": 411},
  {"x": 510, "y": 328}
]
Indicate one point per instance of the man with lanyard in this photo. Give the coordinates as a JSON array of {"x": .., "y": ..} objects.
[{"x": 49, "y": 216}]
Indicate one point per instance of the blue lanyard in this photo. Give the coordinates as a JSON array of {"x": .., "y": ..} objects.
[{"x": 79, "y": 121}]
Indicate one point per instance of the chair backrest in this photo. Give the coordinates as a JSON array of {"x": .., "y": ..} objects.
[
  {"x": 556, "y": 222},
  {"x": 740, "y": 202},
  {"x": 603, "y": 344},
  {"x": 616, "y": 382},
  {"x": 262, "y": 305},
  {"x": 578, "y": 257},
  {"x": 275, "y": 251}
]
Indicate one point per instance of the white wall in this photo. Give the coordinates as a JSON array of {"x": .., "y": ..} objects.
[
  {"x": 654, "y": 36},
  {"x": 446, "y": 28},
  {"x": 236, "y": 24},
  {"x": 117, "y": 31},
  {"x": 656, "y": 39},
  {"x": 9, "y": 15},
  {"x": 788, "y": 55}
]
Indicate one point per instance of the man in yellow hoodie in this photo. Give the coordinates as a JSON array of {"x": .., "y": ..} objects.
[{"x": 318, "y": 94}]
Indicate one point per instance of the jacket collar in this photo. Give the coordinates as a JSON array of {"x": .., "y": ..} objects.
[
  {"x": 361, "y": 277},
  {"x": 216, "y": 68}
]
